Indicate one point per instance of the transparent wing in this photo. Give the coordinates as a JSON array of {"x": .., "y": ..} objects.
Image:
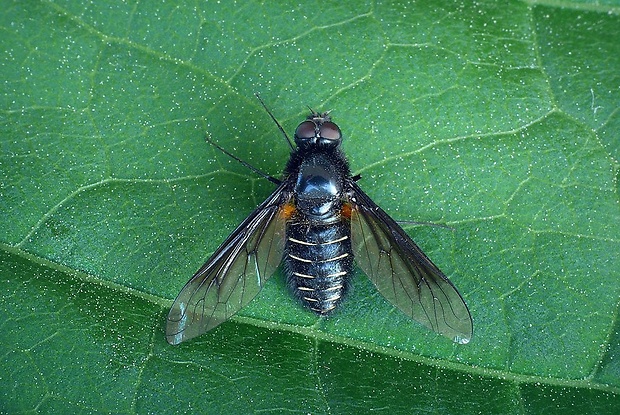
[
  {"x": 233, "y": 276},
  {"x": 403, "y": 274}
]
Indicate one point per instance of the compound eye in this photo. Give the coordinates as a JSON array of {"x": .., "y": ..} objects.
[
  {"x": 306, "y": 130},
  {"x": 330, "y": 131}
]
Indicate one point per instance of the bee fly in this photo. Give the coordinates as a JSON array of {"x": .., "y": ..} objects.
[{"x": 317, "y": 222}]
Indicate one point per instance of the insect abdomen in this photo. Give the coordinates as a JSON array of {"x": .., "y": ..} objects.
[{"x": 318, "y": 261}]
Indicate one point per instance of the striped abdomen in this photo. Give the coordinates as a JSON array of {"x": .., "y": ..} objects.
[{"x": 318, "y": 261}]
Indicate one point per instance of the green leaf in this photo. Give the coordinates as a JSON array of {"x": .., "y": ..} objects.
[{"x": 498, "y": 119}]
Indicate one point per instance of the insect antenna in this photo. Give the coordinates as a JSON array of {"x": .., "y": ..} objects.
[
  {"x": 288, "y": 140},
  {"x": 245, "y": 163},
  {"x": 318, "y": 113}
]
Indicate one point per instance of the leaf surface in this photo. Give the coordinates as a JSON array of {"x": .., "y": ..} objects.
[{"x": 499, "y": 120}]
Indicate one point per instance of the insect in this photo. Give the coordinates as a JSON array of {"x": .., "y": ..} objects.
[{"x": 317, "y": 222}]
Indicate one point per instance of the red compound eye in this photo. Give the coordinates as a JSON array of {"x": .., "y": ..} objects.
[{"x": 306, "y": 130}]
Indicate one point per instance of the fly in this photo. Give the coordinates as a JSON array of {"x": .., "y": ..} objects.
[{"x": 318, "y": 223}]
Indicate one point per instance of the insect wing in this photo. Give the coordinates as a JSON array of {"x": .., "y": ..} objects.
[
  {"x": 403, "y": 274},
  {"x": 233, "y": 276}
]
